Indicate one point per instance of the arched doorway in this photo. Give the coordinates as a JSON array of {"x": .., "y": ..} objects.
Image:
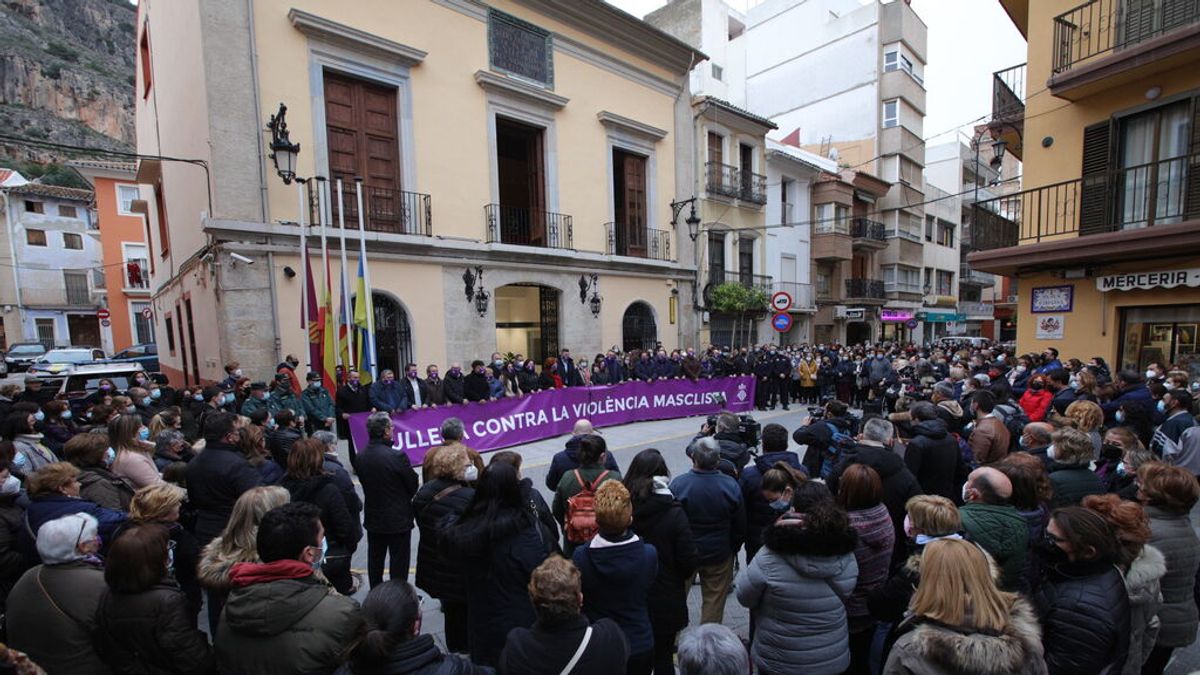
[
  {"x": 858, "y": 332},
  {"x": 638, "y": 330},
  {"x": 527, "y": 320},
  {"x": 393, "y": 334}
]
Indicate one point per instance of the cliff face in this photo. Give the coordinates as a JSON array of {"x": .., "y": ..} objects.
[{"x": 67, "y": 74}]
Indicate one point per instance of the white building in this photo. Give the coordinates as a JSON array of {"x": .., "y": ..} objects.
[{"x": 51, "y": 274}]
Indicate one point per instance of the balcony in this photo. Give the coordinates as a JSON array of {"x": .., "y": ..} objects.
[
  {"x": 638, "y": 242},
  {"x": 1162, "y": 193},
  {"x": 973, "y": 277},
  {"x": 903, "y": 287},
  {"x": 977, "y": 310},
  {"x": 730, "y": 181},
  {"x": 868, "y": 233},
  {"x": 865, "y": 291},
  {"x": 527, "y": 227},
  {"x": 1008, "y": 107},
  {"x": 803, "y": 296},
  {"x": 758, "y": 282},
  {"x": 389, "y": 211},
  {"x": 1104, "y": 43}
]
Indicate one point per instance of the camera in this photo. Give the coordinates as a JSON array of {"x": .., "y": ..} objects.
[
  {"x": 748, "y": 429},
  {"x": 816, "y": 411}
]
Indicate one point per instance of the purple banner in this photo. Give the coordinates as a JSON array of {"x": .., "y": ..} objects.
[{"x": 492, "y": 425}]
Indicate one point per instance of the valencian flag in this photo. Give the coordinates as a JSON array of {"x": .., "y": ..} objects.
[
  {"x": 314, "y": 316},
  {"x": 363, "y": 310},
  {"x": 329, "y": 337}
]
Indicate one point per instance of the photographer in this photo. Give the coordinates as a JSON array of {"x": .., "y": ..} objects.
[
  {"x": 825, "y": 431},
  {"x": 735, "y": 454}
]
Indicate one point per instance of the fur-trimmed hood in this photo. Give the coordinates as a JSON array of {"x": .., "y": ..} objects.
[
  {"x": 213, "y": 569},
  {"x": 933, "y": 648},
  {"x": 1146, "y": 571},
  {"x": 813, "y": 554}
]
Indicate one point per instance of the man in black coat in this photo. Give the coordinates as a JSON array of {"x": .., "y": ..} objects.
[
  {"x": 568, "y": 459},
  {"x": 388, "y": 484},
  {"x": 455, "y": 386},
  {"x": 735, "y": 454},
  {"x": 218, "y": 476},
  {"x": 764, "y": 376},
  {"x": 1059, "y": 381},
  {"x": 568, "y": 371},
  {"x": 281, "y": 440},
  {"x": 415, "y": 389},
  {"x": 932, "y": 454},
  {"x": 475, "y": 384},
  {"x": 351, "y": 398}
]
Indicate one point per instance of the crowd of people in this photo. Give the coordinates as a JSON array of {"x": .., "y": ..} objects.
[{"x": 985, "y": 512}]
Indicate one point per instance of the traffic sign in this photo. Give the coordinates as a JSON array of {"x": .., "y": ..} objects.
[
  {"x": 105, "y": 322},
  {"x": 781, "y": 301},
  {"x": 910, "y": 324},
  {"x": 782, "y": 322},
  {"x": 103, "y": 314},
  {"x": 147, "y": 313}
]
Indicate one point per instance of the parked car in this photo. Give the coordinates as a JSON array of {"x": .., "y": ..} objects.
[
  {"x": 145, "y": 354},
  {"x": 57, "y": 361},
  {"x": 22, "y": 354},
  {"x": 84, "y": 380}
]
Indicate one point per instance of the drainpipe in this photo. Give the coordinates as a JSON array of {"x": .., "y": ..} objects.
[{"x": 12, "y": 251}]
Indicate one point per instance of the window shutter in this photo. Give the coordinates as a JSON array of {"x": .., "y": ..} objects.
[
  {"x": 1191, "y": 198},
  {"x": 1094, "y": 192},
  {"x": 1139, "y": 20}
]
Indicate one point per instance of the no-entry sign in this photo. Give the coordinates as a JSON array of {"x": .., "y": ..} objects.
[
  {"x": 781, "y": 301},
  {"x": 103, "y": 314}
]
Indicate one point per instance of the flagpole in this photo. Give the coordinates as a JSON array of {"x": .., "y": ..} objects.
[
  {"x": 301, "y": 186},
  {"x": 345, "y": 284},
  {"x": 362, "y": 251}
]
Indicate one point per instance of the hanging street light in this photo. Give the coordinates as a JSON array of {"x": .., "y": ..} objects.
[{"x": 283, "y": 150}]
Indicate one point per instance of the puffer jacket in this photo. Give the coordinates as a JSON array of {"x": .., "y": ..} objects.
[
  {"x": 930, "y": 648},
  {"x": 660, "y": 521},
  {"x": 1003, "y": 533},
  {"x": 797, "y": 586},
  {"x": 1085, "y": 617},
  {"x": 276, "y": 621},
  {"x": 932, "y": 456},
  {"x": 1073, "y": 483},
  {"x": 873, "y": 554},
  {"x": 151, "y": 632},
  {"x": 1143, "y": 584},
  {"x": 52, "y": 617},
  {"x": 1174, "y": 537},
  {"x": 105, "y": 488},
  {"x": 439, "y": 575}
]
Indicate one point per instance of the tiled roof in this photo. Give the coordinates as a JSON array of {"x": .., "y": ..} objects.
[
  {"x": 51, "y": 192},
  {"x": 726, "y": 105},
  {"x": 126, "y": 167}
]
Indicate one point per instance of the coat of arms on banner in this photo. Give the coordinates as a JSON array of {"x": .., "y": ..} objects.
[{"x": 741, "y": 395}]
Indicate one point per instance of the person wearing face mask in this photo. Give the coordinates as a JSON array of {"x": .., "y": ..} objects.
[
  {"x": 31, "y": 452},
  {"x": 1035, "y": 440},
  {"x": 288, "y": 367},
  {"x": 764, "y": 505},
  {"x": 435, "y": 386},
  {"x": 144, "y": 617},
  {"x": 475, "y": 384},
  {"x": 1019, "y": 377},
  {"x": 567, "y": 369},
  {"x": 284, "y": 397},
  {"x": 1082, "y": 598},
  {"x": 352, "y": 397},
  {"x": 1070, "y": 458},
  {"x": 1049, "y": 361},
  {"x": 218, "y": 476},
  {"x": 135, "y": 455},
  {"x": 1155, "y": 373},
  {"x": 311, "y": 628},
  {"x": 104, "y": 389},
  {"x": 317, "y": 405},
  {"x": 1130, "y": 391},
  {"x": 447, "y": 491},
  {"x": 54, "y": 492},
  {"x": 94, "y": 457},
  {"x": 307, "y": 481},
  {"x": 1176, "y": 408},
  {"x": 861, "y": 494},
  {"x": 58, "y": 427},
  {"x": 12, "y": 516},
  {"x": 141, "y": 403},
  {"x": 1036, "y": 399},
  {"x": 233, "y": 373},
  {"x": 660, "y": 521},
  {"x": 990, "y": 520},
  {"x": 455, "y": 384}
]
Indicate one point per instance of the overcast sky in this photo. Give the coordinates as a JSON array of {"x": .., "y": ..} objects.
[{"x": 968, "y": 41}]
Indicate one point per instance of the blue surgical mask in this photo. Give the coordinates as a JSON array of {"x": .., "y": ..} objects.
[
  {"x": 781, "y": 506},
  {"x": 144, "y": 434},
  {"x": 39, "y": 415},
  {"x": 1021, "y": 442},
  {"x": 156, "y": 394},
  {"x": 110, "y": 456},
  {"x": 315, "y": 386},
  {"x": 146, "y": 401},
  {"x": 1162, "y": 406},
  {"x": 197, "y": 397},
  {"x": 1120, "y": 416},
  {"x": 66, "y": 415},
  {"x": 1121, "y": 468},
  {"x": 316, "y": 564}
]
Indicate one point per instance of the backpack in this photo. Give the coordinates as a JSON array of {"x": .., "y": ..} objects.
[
  {"x": 581, "y": 510},
  {"x": 838, "y": 440},
  {"x": 1014, "y": 419}
]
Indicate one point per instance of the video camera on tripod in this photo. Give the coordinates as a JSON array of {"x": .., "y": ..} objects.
[{"x": 748, "y": 429}]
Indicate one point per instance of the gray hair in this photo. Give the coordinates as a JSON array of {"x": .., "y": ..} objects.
[
  {"x": 327, "y": 437},
  {"x": 58, "y": 540},
  {"x": 922, "y": 411},
  {"x": 1039, "y": 433},
  {"x": 452, "y": 429},
  {"x": 706, "y": 453},
  {"x": 379, "y": 426},
  {"x": 944, "y": 389},
  {"x": 727, "y": 421},
  {"x": 878, "y": 429},
  {"x": 712, "y": 649},
  {"x": 166, "y": 438}
]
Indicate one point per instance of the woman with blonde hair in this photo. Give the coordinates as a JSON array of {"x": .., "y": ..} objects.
[
  {"x": 160, "y": 504},
  {"x": 135, "y": 457},
  {"x": 236, "y": 543},
  {"x": 1070, "y": 457},
  {"x": 1088, "y": 417},
  {"x": 962, "y": 623}
]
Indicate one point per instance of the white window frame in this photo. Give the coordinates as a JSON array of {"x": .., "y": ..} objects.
[
  {"x": 128, "y": 247},
  {"x": 135, "y": 312},
  {"x": 718, "y": 73},
  {"x": 890, "y": 60},
  {"x": 123, "y": 207},
  {"x": 892, "y": 120}
]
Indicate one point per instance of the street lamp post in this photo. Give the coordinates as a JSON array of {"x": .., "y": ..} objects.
[{"x": 283, "y": 150}]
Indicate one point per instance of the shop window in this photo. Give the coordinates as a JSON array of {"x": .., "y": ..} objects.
[{"x": 1164, "y": 334}]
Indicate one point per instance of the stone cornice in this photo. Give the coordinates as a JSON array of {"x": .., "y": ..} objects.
[
  {"x": 352, "y": 38},
  {"x": 511, "y": 86},
  {"x": 630, "y": 126}
]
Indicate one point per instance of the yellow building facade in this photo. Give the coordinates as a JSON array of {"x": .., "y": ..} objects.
[
  {"x": 535, "y": 141},
  {"x": 1104, "y": 238}
]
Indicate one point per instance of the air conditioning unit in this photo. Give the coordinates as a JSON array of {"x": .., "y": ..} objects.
[{"x": 839, "y": 311}]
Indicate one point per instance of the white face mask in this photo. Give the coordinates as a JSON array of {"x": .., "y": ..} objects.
[
  {"x": 1150, "y": 374},
  {"x": 11, "y": 486},
  {"x": 1050, "y": 451},
  {"x": 965, "y": 489},
  {"x": 471, "y": 473}
]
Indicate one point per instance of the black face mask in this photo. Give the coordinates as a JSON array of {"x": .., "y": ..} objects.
[
  {"x": 1049, "y": 552},
  {"x": 1111, "y": 452},
  {"x": 1036, "y": 386}
]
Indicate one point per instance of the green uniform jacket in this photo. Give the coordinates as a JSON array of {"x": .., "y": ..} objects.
[
  {"x": 286, "y": 400},
  {"x": 318, "y": 406},
  {"x": 252, "y": 404}
]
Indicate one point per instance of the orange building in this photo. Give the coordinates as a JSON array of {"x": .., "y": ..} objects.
[{"x": 126, "y": 270}]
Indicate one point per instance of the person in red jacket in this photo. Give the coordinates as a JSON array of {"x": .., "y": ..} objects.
[{"x": 1036, "y": 399}]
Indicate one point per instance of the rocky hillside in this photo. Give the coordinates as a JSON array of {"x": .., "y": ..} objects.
[{"x": 66, "y": 74}]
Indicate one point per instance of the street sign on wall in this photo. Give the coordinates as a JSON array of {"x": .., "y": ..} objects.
[{"x": 782, "y": 322}]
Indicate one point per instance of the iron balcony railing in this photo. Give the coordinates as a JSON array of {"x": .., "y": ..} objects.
[
  {"x": 638, "y": 241},
  {"x": 760, "y": 282},
  {"x": 976, "y": 308},
  {"x": 1160, "y": 193},
  {"x": 1008, "y": 94},
  {"x": 803, "y": 297},
  {"x": 731, "y": 181},
  {"x": 970, "y": 275},
  {"x": 865, "y": 228},
  {"x": 388, "y": 210},
  {"x": 865, "y": 288},
  {"x": 528, "y": 227},
  {"x": 903, "y": 287},
  {"x": 1099, "y": 27}
]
